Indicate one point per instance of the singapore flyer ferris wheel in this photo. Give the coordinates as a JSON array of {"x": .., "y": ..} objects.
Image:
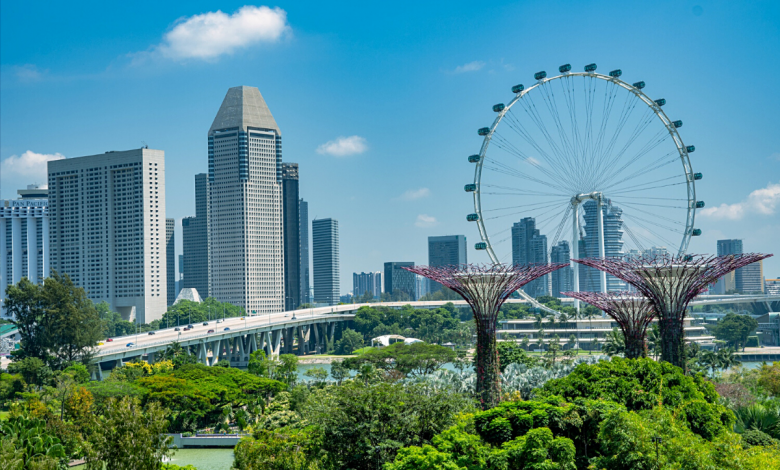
[{"x": 582, "y": 165}]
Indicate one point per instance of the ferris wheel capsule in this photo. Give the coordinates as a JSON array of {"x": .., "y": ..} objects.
[
  {"x": 498, "y": 107},
  {"x": 480, "y": 246},
  {"x": 474, "y": 158},
  {"x": 696, "y": 232},
  {"x": 590, "y": 68},
  {"x": 639, "y": 85},
  {"x": 565, "y": 68},
  {"x": 660, "y": 102},
  {"x": 540, "y": 75},
  {"x": 483, "y": 131},
  {"x": 690, "y": 149},
  {"x": 677, "y": 124},
  {"x": 616, "y": 73},
  {"x": 517, "y": 88},
  {"x": 472, "y": 217},
  {"x": 470, "y": 188}
]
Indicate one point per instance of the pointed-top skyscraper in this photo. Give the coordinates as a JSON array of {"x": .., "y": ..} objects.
[{"x": 245, "y": 191}]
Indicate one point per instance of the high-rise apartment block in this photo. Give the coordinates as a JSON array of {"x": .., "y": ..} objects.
[
  {"x": 170, "y": 261},
  {"x": 292, "y": 236},
  {"x": 367, "y": 282},
  {"x": 530, "y": 247},
  {"x": 24, "y": 237},
  {"x": 562, "y": 280},
  {"x": 196, "y": 246},
  {"x": 303, "y": 225},
  {"x": 590, "y": 278},
  {"x": 447, "y": 250},
  {"x": 325, "y": 259},
  {"x": 107, "y": 228},
  {"x": 245, "y": 198},
  {"x": 747, "y": 280},
  {"x": 400, "y": 283}
]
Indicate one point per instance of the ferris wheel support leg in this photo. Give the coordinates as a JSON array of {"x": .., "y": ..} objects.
[
  {"x": 602, "y": 253},
  {"x": 575, "y": 252}
]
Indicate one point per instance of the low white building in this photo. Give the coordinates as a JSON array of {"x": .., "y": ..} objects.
[{"x": 24, "y": 237}]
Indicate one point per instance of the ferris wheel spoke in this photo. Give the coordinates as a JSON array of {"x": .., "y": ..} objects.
[
  {"x": 649, "y": 146},
  {"x": 628, "y": 191},
  {"x": 627, "y": 111},
  {"x": 538, "y": 205},
  {"x": 610, "y": 98},
  {"x": 651, "y": 167},
  {"x": 633, "y": 237},
  {"x": 571, "y": 105},
  {"x": 552, "y": 105},
  {"x": 608, "y": 162},
  {"x": 510, "y": 149},
  {"x": 533, "y": 114},
  {"x": 653, "y": 223},
  {"x": 561, "y": 226},
  {"x": 516, "y": 126},
  {"x": 652, "y": 232},
  {"x": 522, "y": 192},
  {"x": 612, "y": 189},
  {"x": 507, "y": 170},
  {"x": 536, "y": 212}
]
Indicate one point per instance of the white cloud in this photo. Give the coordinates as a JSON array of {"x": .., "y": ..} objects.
[
  {"x": 343, "y": 146},
  {"x": 29, "y": 167},
  {"x": 210, "y": 35},
  {"x": 424, "y": 220},
  {"x": 28, "y": 73},
  {"x": 470, "y": 67},
  {"x": 533, "y": 161},
  {"x": 413, "y": 194},
  {"x": 762, "y": 201}
]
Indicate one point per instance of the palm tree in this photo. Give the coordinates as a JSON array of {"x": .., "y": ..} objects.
[
  {"x": 727, "y": 359},
  {"x": 654, "y": 340},
  {"x": 759, "y": 417}
]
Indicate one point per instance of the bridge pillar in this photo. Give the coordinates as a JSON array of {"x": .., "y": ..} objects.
[
  {"x": 301, "y": 340},
  {"x": 288, "y": 340},
  {"x": 97, "y": 372},
  {"x": 331, "y": 327},
  {"x": 316, "y": 328},
  {"x": 150, "y": 357},
  {"x": 203, "y": 354}
]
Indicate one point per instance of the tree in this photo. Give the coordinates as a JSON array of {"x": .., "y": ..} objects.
[
  {"x": 349, "y": 342},
  {"x": 511, "y": 353},
  {"x": 654, "y": 340},
  {"x": 287, "y": 371},
  {"x": 130, "y": 436},
  {"x": 363, "y": 425},
  {"x": 28, "y": 443},
  {"x": 553, "y": 349},
  {"x": 261, "y": 365},
  {"x": 615, "y": 343},
  {"x": 178, "y": 355},
  {"x": 32, "y": 369},
  {"x": 283, "y": 449},
  {"x": 735, "y": 329},
  {"x": 317, "y": 374},
  {"x": 57, "y": 322}
]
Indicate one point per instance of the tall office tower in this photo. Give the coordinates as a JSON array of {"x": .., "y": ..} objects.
[
  {"x": 24, "y": 237},
  {"x": 590, "y": 279},
  {"x": 562, "y": 279},
  {"x": 378, "y": 284},
  {"x": 751, "y": 280},
  {"x": 732, "y": 281},
  {"x": 291, "y": 218},
  {"x": 170, "y": 261},
  {"x": 400, "y": 283},
  {"x": 107, "y": 232},
  {"x": 245, "y": 196},
  {"x": 325, "y": 258},
  {"x": 303, "y": 269},
  {"x": 529, "y": 247},
  {"x": 447, "y": 250},
  {"x": 196, "y": 247}
]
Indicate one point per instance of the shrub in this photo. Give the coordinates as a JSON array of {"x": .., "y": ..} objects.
[{"x": 754, "y": 437}]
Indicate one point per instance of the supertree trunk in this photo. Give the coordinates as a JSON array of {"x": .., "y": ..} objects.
[
  {"x": 673, "y": 342},
  {"x": 488, "y": 367},
  {"x": 485, "y": 289},
  {"x": 635, "y": 347}
]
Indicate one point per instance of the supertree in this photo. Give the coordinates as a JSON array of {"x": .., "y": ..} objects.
[
  {"x": 632, "y": 312},
  {"x": 485, "y": 288},
  {"x": 670, "y": 283}
]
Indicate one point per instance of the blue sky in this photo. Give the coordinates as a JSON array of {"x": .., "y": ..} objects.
[{"x": 408, "y": 82}]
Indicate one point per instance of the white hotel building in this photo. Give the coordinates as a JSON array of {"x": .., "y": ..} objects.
[
  {"x": 24, "y": 237},
  {"x": 107, "y": 229}
]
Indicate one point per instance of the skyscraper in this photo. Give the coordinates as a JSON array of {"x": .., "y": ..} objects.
[
  {"x": 195, "y": 241},
  {"x": 303, "y": 225},
  {"x": 529, "y": 247},
  {"x": 24, "y": 237},
  {"x": 732, "y": 281},
  {"x": 245, "y": 196},
  {"x": 107, "y": 232},
  {"x": 292, "y": 236},
  {"x": 449, "y": 250},
  {"x": 325, "y": 257},
  {"x": 590, "y": 278},
  {"x": 370, "y": 282},
  {"x": 170, "y": 260},
  {"x": 400, "y": 283},
  {"x": 562, "y": 279}
]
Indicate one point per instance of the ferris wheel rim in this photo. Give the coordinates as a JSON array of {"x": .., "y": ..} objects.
[{"x": 665, "y": 120}]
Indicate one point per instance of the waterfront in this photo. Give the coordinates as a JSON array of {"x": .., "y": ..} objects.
[{"x": 202, "y": 459}]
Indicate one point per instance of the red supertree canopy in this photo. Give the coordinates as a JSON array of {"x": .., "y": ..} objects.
[
  {"x": 631, "y": 311},
  {"x": 485, "y": 287},
  {"x": 671, "y": 282}
]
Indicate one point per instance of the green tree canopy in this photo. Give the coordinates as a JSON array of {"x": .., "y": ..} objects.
[{"x": 735, "y": 329}]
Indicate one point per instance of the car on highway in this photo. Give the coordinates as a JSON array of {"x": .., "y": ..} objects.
[
  {"x": 210, "y": 331},
  {"x": 130, "y": 345},
  {"x": 151, "y": 333},
  {"x": 187, "y": 329},
  {"x": 227, "y": 329},
  {"x": 108, "y": 340},
  {"x": 205, "y": 323},
  {"x": 190, "y": 326},
  {"x": 177, "y": 329},
  {"x": 101, "y": 343},
  {"x": 242, "y": 318}
]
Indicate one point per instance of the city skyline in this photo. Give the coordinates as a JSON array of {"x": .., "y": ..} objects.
[{"x": 342, "y": 153}]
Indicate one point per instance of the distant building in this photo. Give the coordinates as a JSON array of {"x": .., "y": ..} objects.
[
  {"x": 345, "y": 299},
  {"x": 562, "y": 279},
  {"x": 325, "y": 258},
  {"x": 291, "y": 218},
  {"x": 752, "y": 278},
  {"x": 195, "y": 241},
  {"x": 303, "y": 225},
  {"x": 170, "y": 260},
  {"x": 421, "y": 283},
  {"x": 398, "y": 279},
  {"x": 590, "y": 278},
  {"x": 367, "y": 282},
  {"x": 107, "y": 232},
  {"x": 449, "y": 250},
  {"x": 24, "y": 237},
  {"x": 245, "y": 196},
  {"x": 529, "y": 247},
  {"x": 749, "y": 279},
  {"x": 772, "y": 286}
]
